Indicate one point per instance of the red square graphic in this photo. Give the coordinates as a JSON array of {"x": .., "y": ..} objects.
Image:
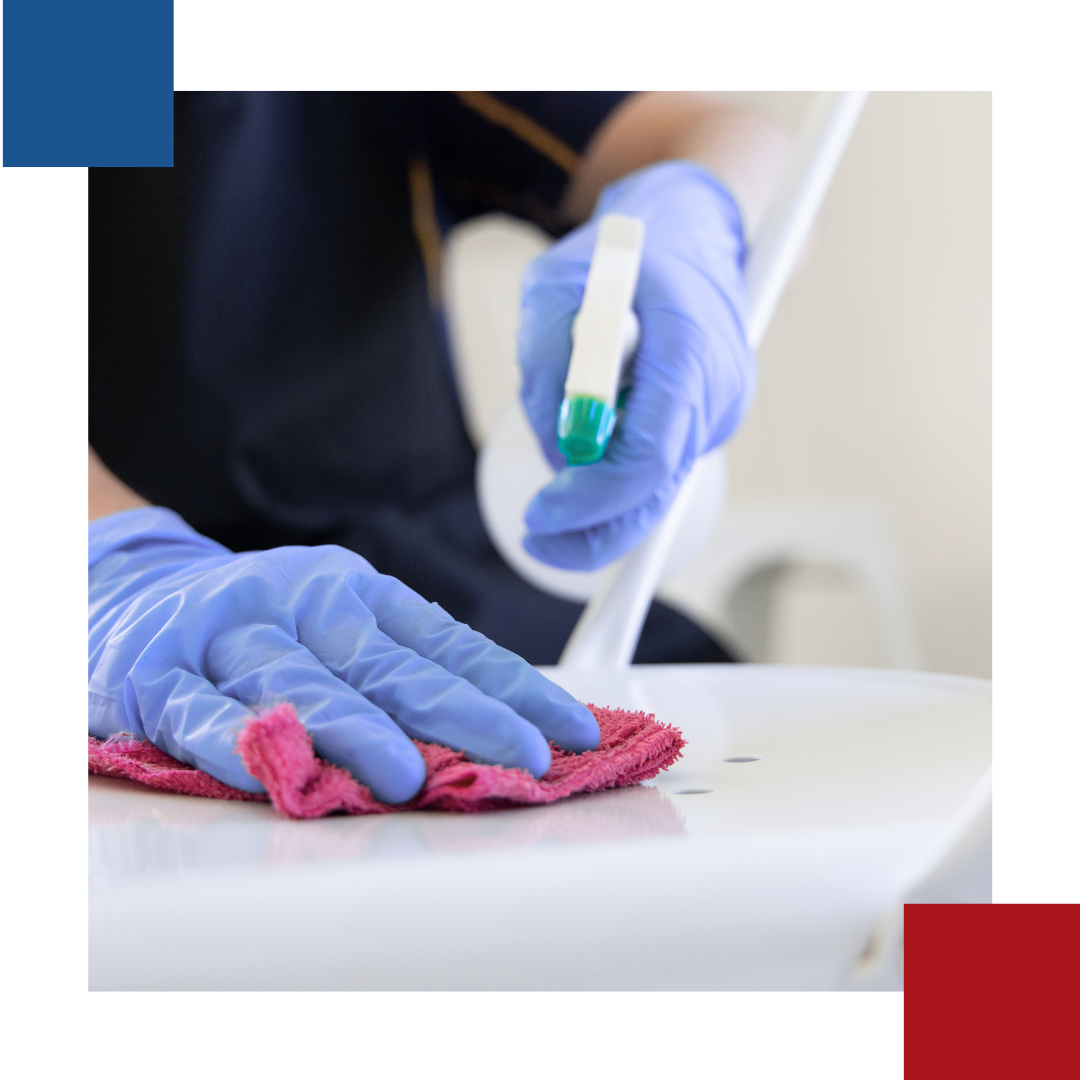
[{"x": 991, "y": 990}]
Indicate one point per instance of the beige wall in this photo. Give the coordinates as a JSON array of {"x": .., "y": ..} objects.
[{"x": 875, "y": 375}]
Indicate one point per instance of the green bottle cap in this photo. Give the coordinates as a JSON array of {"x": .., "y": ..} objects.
[{"x": 585, "y": 425}]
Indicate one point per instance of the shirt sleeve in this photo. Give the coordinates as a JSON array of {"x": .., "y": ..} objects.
[{"x": 514, "y": 152}]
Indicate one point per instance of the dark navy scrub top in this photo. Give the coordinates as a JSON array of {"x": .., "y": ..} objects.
[{"x": 264, "y": 355}]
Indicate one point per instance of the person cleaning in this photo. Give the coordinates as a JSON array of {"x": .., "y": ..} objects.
[{"x": 269, "y": 363}]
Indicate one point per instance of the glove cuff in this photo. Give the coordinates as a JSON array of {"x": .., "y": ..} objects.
[
  {"x": 151, "y": 523},
  {"x": 663, "y": 174}
]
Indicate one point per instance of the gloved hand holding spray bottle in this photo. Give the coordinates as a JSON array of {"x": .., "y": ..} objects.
[{"x": 692, "y": 374}]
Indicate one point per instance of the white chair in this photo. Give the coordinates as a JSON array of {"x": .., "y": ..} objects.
[
  {"x": 772, "y": 856},
  {"x": 738, "y": 577}
]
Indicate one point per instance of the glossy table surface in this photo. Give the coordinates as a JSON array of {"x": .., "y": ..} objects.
[{"x": 766, "y": 872}]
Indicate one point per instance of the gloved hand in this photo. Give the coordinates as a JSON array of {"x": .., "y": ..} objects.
[
  {"x": 188, "y": 639},
  {"x": 693, "y": 374}
]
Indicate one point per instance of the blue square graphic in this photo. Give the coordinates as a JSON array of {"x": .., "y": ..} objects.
[{"x": 88, "y": 82}]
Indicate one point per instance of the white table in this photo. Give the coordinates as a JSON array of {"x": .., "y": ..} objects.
[{"x": 718, "y": 874}]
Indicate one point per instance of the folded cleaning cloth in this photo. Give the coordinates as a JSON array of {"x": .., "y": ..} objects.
[{"x": 276, "y": 749}]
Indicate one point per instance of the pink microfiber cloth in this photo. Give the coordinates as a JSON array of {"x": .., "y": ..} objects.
[{"x": 276, "y": 749}]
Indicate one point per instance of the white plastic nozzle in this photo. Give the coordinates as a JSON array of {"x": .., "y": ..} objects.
[{"x": 605, "y": 330}]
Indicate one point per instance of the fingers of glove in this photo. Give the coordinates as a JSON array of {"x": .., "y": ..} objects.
[
  {"x": 408, "y": 619},
  {"x": 649, "y": 448},
  {"x": 261, "y": 664},
  {"x": 693, "y": 345},
  {"x": 595, "y": 547},
  {"x": 189, "y": 718},
  {"x": 424, "y": 699},
  {"x": 703, "y": 359},
  {"x": 544, "y": 345},
  {"x": 552, "y": 292}
]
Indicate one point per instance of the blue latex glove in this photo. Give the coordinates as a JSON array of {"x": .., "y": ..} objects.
[
  {"x": 187, "y": 640},
  {"x": 693, "y": 374}
]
